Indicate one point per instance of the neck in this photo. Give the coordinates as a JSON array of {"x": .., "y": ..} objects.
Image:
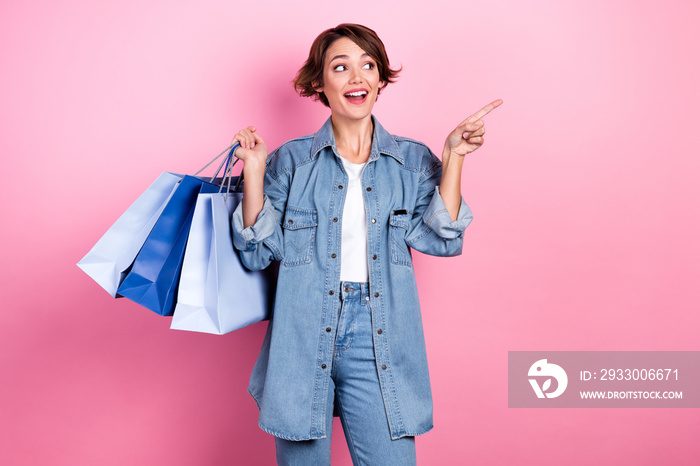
[{"x": 353, "y": 138}]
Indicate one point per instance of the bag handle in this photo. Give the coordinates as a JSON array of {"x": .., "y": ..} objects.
[
  {"x": 232, "y": 148},
  {"x": 227, "y": 171}
]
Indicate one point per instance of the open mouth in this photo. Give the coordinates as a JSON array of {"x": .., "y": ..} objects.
[{"x": 356, "y": 97}]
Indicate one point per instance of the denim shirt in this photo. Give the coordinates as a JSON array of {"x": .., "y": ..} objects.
[{"x": 300, "y": 225}]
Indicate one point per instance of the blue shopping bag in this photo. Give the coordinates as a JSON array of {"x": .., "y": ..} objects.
[{"x": 153, "y": 278}]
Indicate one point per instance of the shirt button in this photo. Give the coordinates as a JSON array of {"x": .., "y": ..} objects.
[
  {"x": 340, "y": 186},
  {"x": 328, "y": 329},
  {"x": 335, "y": 219},
  {"x": 374, "y": 257},
  {"x": 333, "y": 255},
  {"x": 366, "y": 298},
  {"x": 374, "y": 220},
  {"x": 323, "y": 366},
  {"x": 369, "y": 189},
  {"x": 379, "y": 331},
  {"x": 384, "y": 366},
  {"x": 330, "y": 292},
  {"x": 376, "y": 295},
  {"x": 290, "y": 221}
]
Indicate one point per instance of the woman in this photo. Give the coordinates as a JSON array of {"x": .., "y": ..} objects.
[{"x": 340, "y": 209}]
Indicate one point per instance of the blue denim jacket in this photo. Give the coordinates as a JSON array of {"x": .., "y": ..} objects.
[{"x": 300, "y": 225}]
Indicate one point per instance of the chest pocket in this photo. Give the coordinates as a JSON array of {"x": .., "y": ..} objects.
[
  {"x": 299, "y": 234},
  {"x": 398, "y": 229}
]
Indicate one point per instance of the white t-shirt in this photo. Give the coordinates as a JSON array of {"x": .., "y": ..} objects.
[{"x": 353, "y": 264}]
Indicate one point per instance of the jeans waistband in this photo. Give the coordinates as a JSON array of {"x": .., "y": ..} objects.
[{"x": 354, "y": 290}]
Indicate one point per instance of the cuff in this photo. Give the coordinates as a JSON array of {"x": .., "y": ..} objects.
[
  {"x": 245, "y": 239},
  {"x": 438, "y": 218}
]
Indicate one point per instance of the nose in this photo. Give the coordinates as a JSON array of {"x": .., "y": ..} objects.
[{"x": 356, "y": 78}]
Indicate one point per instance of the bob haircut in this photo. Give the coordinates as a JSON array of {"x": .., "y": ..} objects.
[{"x": 311, "y": 74}]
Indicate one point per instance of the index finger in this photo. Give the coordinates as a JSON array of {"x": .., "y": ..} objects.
[{"x": 484, "y": 111}]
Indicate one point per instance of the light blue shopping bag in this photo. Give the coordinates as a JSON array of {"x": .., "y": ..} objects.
[
  {"x": 108, "y": 261},
  {"x": 217, "y": 294}
]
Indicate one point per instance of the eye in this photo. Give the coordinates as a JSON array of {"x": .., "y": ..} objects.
[
  {"x": 339, "y": 68},
  {"x": 368, "y": 66}
]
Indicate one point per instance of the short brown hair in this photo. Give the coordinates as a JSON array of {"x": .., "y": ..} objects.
[{"x": 311, "y": 74}]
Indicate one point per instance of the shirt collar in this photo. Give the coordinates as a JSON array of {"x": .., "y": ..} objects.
[{"x": 382, "y": 142}]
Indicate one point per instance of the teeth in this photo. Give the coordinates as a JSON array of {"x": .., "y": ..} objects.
[{"x": 357, "y": 94}]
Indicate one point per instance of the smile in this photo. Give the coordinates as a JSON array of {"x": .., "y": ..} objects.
[{"x": 356, "y": 96}]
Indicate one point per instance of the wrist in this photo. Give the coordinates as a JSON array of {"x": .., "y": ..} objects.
[
  {"x": 451, "y": 159},
  {"x": 253, "y": 169},
  {"x": 447, "y": 152}
]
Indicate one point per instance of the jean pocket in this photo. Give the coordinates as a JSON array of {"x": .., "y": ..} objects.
[
  {"x": 299, "y": 233},
  {"x": 398, "y": 229}
]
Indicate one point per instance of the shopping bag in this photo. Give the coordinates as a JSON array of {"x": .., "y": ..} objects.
[
  {"x": 217, "y": 294},
  {"x": 153, "y": 278},
  {"x": 108, "y": 261}
]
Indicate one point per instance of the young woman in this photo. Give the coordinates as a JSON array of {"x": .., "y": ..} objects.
[{"x": 340, "y": 209}]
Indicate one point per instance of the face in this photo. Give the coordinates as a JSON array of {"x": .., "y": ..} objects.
[{"x": 350, "y": 80}]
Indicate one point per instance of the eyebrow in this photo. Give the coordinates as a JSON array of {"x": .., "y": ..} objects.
[{"x": 346, "y": 57}]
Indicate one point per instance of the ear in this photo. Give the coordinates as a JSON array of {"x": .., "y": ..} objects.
[
  {"x": 317, "y": 88},
  {"x": 379, "y": 89}
]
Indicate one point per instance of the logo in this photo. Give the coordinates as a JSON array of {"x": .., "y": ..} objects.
[{"x": 543, "y": 369}]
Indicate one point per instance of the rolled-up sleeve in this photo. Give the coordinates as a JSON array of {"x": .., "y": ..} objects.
[
  {"x": 246, "y": 239},
  {"x": 433, "y": 231},
  {"x": 439, "y": 220}
]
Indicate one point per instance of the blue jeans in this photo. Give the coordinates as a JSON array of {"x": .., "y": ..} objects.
[{"x": 355, "y": 389}]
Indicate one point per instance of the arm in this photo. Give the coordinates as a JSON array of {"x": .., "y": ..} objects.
[
  {"x": 441, "y": 215},
  {"x": 257, "y": 231},
  {"x": 253, "y": 152},
  {"x": 464, "y": 139}
]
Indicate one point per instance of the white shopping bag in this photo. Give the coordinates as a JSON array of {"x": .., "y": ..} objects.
[
  {"x": 216, "y": 293},
  {"x": 108, "y": 260}
]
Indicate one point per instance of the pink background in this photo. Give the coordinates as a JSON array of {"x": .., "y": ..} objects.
[{"x": 585, "y": 199}]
